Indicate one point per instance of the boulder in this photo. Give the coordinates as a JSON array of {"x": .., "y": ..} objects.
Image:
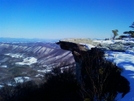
[{"x": 117, "y": 47}]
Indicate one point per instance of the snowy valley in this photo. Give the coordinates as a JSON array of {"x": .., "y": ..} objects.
[{"x": 20, "y": 62}]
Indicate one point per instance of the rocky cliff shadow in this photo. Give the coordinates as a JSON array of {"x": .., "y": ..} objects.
[{"x": 99, "y": 79}]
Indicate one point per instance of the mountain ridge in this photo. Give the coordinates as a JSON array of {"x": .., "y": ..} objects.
[{"x": 8, "y": 39}]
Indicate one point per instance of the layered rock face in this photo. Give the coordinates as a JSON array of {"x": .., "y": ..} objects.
[{"x": 80, "y": 54}]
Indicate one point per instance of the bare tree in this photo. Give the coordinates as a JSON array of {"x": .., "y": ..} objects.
[{"x": 115, "y": 33}]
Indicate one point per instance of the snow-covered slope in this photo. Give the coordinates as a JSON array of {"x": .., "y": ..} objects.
[
  {"x": 120, "y": 52},
  {"x": 124, "y": 60},
  {"x": 30, "y": 59}
]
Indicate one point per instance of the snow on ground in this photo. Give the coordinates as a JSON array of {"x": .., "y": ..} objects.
[
  {"x": 21, "y": 79},
  {"x": 124, "y": 60},
  {"x": 104, "y": 41},
  {"x": 4, "y": 66},
  {"x": 39, "y": 75},
  {"x": 89, "y": 46},
  {"x": 27, "y": 61},
  {"x": 113, "y": 41},
  {"x": 45, "y": 71},
  {"x": 14, "y": 55},
  {"x": 1, "y": 86}
]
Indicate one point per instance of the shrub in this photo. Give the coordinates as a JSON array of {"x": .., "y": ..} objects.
[
  {"x": 58, "y": 87},
  {"x": 101, "y": 79}
]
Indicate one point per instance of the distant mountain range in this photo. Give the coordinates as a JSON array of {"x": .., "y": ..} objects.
[
  {"x": 31, "y": 59},
  {"x": 7, "y": 40}
]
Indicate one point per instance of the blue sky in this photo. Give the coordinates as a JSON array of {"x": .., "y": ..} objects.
[{"x": 64, "y": 18}]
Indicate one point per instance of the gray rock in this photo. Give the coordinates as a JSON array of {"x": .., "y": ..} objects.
[{"x": 117, "y": 47}]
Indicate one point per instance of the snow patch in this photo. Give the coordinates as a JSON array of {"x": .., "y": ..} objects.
[
  {"x": 113, "y": 41},
  {"x": 39, "y": 75},
  {"x": 3, "y": 66},
  {"x": 14, "y": 55},
  {"x": 129, "y": 67},
  {"x": 27, "y": 61},
  {"x": 45, "y": 71},
  {"x": 104, "y": 41},
  {"x": 1, "y": 86},
  {"x": 89, "y": 46},
  {"x": 21, "y": 79},
  {"x": 124, "y": 60}
]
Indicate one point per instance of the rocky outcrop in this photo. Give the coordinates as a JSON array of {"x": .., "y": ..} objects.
[
  {"x": 81, "y": 55},
  {"x": 116, "y": 46},
  {"x": 94, "y": 72}
]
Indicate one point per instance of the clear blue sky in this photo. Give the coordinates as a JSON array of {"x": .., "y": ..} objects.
[{"x": 64, "y": 18}]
